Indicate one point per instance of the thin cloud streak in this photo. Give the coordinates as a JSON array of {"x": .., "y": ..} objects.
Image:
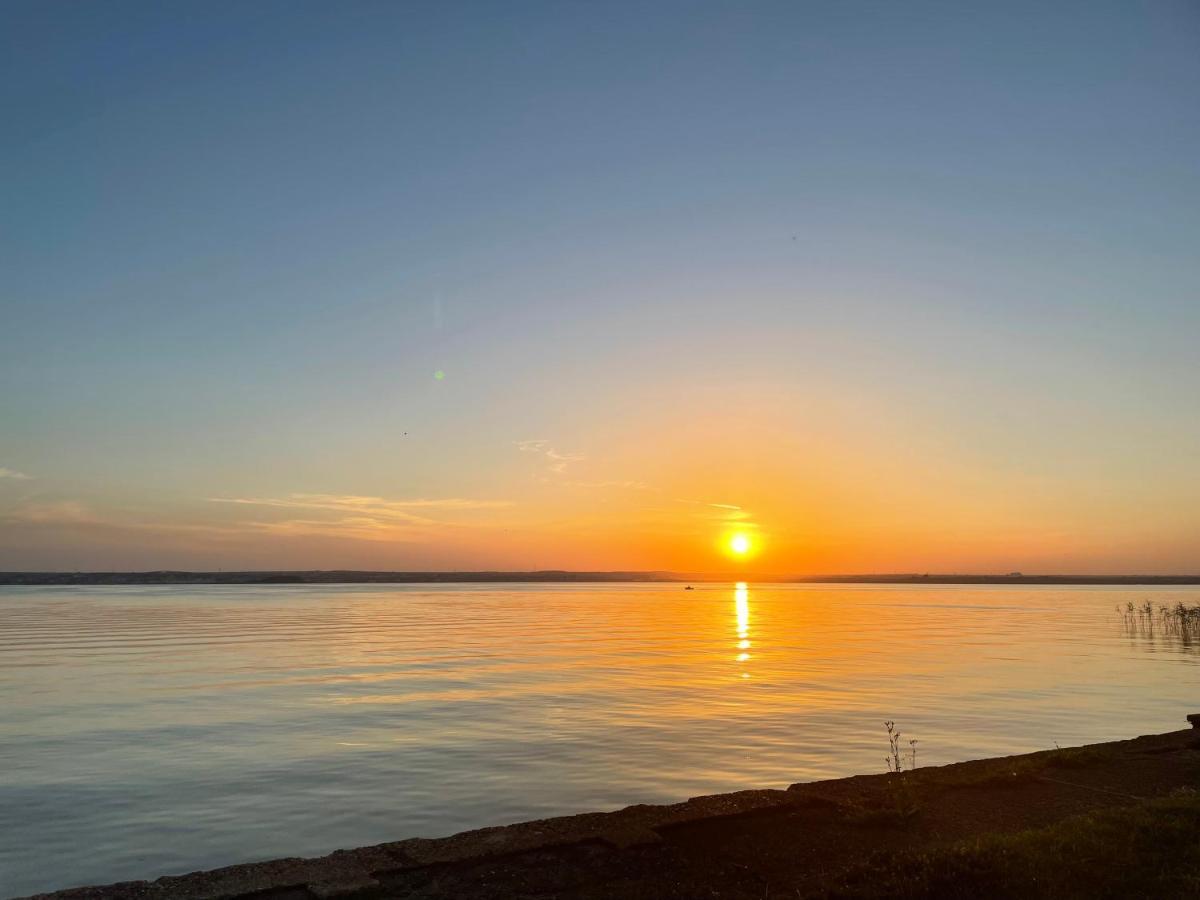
[
  {"x": 631, "y": 485},
  {"x": 374, "y": 506},
  {"x": 558, "y": 461},
  {"x": 60, "y": 512},
  {"x": 727, "y": 512},
  {"x": 362, "y": 528},
  {"x": 359, "y": 518}
]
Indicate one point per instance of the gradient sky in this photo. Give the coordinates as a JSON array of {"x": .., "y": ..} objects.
[{"x": 889, "y": 286}]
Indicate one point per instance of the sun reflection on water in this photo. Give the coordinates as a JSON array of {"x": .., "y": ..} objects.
[
  {"x": 551, "y": 696},
  {"x": 741, "y": 609}
]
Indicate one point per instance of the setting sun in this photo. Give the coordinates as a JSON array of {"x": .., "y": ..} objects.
[{"x": 552, "y": 409}]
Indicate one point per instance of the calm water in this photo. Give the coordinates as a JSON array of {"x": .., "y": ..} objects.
[{"x": 153, "y": 730}]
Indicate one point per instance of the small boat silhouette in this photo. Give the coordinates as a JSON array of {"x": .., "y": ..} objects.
[{"x": 689, "y": 588}]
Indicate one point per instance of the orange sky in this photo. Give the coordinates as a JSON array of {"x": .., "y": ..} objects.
[
  {"x": 586, "y": 288},
  {"x": 817, "y": 491}
]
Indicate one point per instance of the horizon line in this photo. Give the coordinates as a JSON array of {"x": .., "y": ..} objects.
[{"x": 330, "y": 576}]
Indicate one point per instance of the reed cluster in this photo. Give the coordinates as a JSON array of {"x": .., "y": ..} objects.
[{"x": 1179, "y": 621}]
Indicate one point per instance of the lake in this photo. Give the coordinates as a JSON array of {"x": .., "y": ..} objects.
[{"x": 150, "y": 730}]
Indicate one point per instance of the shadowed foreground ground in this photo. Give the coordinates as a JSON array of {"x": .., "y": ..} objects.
[{"x": 1111, "y": 820}]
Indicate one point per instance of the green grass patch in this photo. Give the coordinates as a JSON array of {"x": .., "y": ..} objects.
[
  {"x": 894, "y": 807},
  {"x": 1016, "y": 773},
  {"x": 1151, "y": 850},
  {"x": 1074, "y": 758},
  {"x": 1024, "y": 770}
]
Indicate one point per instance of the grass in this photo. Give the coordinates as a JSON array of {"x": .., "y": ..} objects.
[
  {"x": 898, "y": 805},
  {"x": 899, "y": 808},
  {"x": 901, "y": 804},
  {"x": 1073, "y": 758},
  {"x": 1024, "y": 770},
  {"x": 1151, "y": 850},
  {"x": 1014, "y": 774}
]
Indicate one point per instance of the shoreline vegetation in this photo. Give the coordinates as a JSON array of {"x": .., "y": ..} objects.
[
  {"x": 338, "y": 576},
  {"x": 1116, "y": 819}
]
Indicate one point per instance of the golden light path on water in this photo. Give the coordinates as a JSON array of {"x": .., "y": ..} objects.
[
  {"x": 269, "y": 721},
  {"x": 741, "y": 609}
]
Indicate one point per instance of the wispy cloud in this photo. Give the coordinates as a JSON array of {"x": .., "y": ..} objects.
[
  {"x": 728, "y": 512},
  {"x": 59, "y": 512},
  {"x": 76, "y": 516},
  {"x": 13, "y": 474},
  {"x": 361, "y": 528},
  {"x": 631, "y": 485},
  {"x": 558, "y": 460},
  {"x": 312, "y": 515},
  {"x": 357, "y": 517},
  {"x": 707, "y": 503},
  {"x": 374, "y": 506}
]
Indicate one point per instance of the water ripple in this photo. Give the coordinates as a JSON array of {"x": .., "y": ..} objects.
[{"x": 150, "y": 729}]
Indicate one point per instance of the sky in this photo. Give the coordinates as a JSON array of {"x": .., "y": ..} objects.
[{"x": 883, "y": 287}]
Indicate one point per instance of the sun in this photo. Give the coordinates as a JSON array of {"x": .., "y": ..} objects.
[{"x": 739, "y": 544}]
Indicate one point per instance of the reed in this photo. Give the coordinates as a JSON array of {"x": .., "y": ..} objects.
[{"x": 1180, "y": 621}]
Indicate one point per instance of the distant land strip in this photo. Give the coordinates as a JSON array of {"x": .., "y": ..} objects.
[{"x": 337, "y": 576}]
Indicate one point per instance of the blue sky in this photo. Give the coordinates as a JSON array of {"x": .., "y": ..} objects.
[{"x": 240, "y": 239}]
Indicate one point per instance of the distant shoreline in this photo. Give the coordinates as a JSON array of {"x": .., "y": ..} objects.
[{"x": 563, "y": 577}]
